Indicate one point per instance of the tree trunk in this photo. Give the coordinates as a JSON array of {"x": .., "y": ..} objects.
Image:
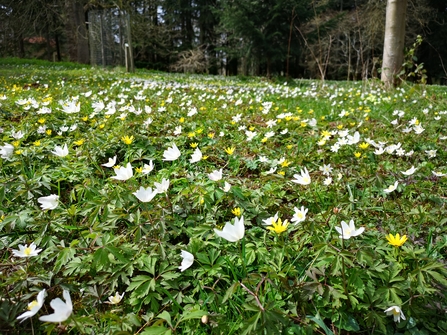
[
  {"x": 77, "y": 32},
  {"x": 393, "y": 50}
]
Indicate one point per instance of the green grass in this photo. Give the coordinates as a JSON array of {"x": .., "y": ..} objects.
[{"x": 297, "y": 277}]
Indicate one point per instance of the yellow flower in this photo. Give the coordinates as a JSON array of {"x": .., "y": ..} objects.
[
  {"x": 251, "y": 128},
  {"x": 204, "y": 157},
  {"x": 194, "y": 145},
  {"x": 18, "y": 152},
  {"x": 139, "y": 169},
  {"x": 41, "y": 121},
  {"x": 85, "y": 118},
  {"x": 303, "y": 124},
  {"x": 282, "y": 173},
  {"x": 16, "y": 143},
  {"x": 290, "y": 146},
  {"x": 199, "y": 131},
  {"x": 230, "y": 150},
  {"x": 36, "y": 143},
  {"x": 397, "y": 241},
  {"x": 211, "y": 135},
  {"x": 264, "y": 140},
  {"x": 285, "y": 163},
  {"x": 325, "y": 134},
  {"x": 79, "y": 142},
  {"x": 101, "y": 126},
  {"x": 278, "y": 227},
  {"x": 357, "y": 154},
  {"x": 236, "y": 211},
  {"x": 363, "y": 145},
  {"x": 127, "y": 140},
  {"x": 340, "y": 126},
  {"x": 191, "y": 134}
]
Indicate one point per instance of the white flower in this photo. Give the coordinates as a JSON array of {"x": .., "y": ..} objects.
[
  {"x": 145, "y": 194},
  {"x": 347, "y": 232},
  {"x": 379, "y": 151},
  {"x": 391, "y": 188},
  {"x": 62, "y": 310},
  {"x": 171, "y": 154},
  {"x": 25, "y": 251},
  {"x": 215, "y": 175},
  {"x": 196, "y": 156},
  {"x": 439, "y": 174},
  {"x": 178, "y": 130},
  {"x": 226, "y": 187},
  {"x": 299, "y": 215},
  {"x": 48, "y": 202},
  {"x": 303, "y": 179},
  {"x": 147, "y": 168},
  {"x": 163, "y": 186},
  {"x": 326, "y": 169},
  {"x": 431, "y": 153},
  {"x": 327, "y": 181},
  {"x": 396, "y": 312},
  {"x": 271, "y": 220},
  {"x": 60, "y": 151},
  {"x": 111, "y": 162},
  {"x": 123, "y": 173},
  {"x": 232, "y": 232},
  {"x": 71, "y": 107},
  {"x": 187, "y": 261},
  {"x": 409, "y": 172},
  {"x": 33, "y": 307},
  {"x": 6, "y": 151},
  {"x": 115, "y": 299}
]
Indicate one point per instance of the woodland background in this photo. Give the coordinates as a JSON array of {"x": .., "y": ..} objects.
[{"x": 323, "y": 39}]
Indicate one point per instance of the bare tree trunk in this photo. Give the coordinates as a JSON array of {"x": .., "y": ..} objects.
[
  {"x": 393, "y": 50},
  {"x": 77, "y": 32}
]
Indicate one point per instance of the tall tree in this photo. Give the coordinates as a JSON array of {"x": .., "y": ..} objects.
[{"x": 393, "y": 49}]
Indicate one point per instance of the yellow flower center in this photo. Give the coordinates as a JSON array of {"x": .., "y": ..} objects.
[
  {"x": 27, "y": 251},
  {"x": 32, "y": 304}
]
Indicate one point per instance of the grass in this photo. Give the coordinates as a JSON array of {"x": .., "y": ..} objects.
[{"x": 296, "y": 159}]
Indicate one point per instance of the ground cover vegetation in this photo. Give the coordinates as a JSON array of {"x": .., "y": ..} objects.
[{"x": 158, "y": 203}]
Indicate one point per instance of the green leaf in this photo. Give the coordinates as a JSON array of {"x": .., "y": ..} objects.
[
  {"x": 64, "y": 256},
  {"x": 165, "y": 316},
  {"x": 192, "y": 315},
  {"x": 320, "y": 322},
  {"x": 230, "y": 291},
  {"x": 156, "y": 330}
]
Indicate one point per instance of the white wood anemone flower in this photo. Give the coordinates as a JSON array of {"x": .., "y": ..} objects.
[
  {"x": 163, "y": 186},
  {"x": 171, "y": 154},
  {"x": 396, "y": 312},
  {"x": 25, "y": 251},
  {"x": 145, "y": 194},
  {"x": 62, "y": 310},
  {"x": 196, "y": 156},
  {"x": 232, "y": 232},
  {"x": 111, "y": 162},
  {"x": 187, "y": 261},
  {"x": 409, "y": 172},
  {"x": 391, "y": 188},
  {"x": 6, "y": 151},
  {"x": 347, "y": 231},
  {"x": 115, "y": 299},
  {"x": 303, "y": 178},
  {"x": 48, "y": 202},
  {"x": 299, "y": 215},
  {"x": 216, "y": 175},
  {"x": 33, "y": 307},
  {"x": 123, "y": 173},
  {"x": 60, "y": 151}
]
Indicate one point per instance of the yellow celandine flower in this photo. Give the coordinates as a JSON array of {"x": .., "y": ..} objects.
[
  {"x": 352, "y": 124},
  {"x": 357, "y": 154},
  {"x": 363, "y": 145},
  {"x": 230, "y": 150},
  {"x": 203, "y": 108},
  {"x": 191, "y": 134},
  {"x": 278, "y": 226},
  {"x": 139, "y": 169},
  {"x": 36, "y": 143},
  {"x": 107, "y": 116},
  {"x": 264, "y": 140},
  {"x": 326, "y": 134},
  {"x": 236, "y": 211},
  {"x": 199, "y": 131},
  {"x": 205, "y": 157},
  {"x": 127, "y": 140},
  {"x": 396, "y": 241},
  {"x": 340, "y": 126},
  {"x": 16, "y": 143},
  {"x": 211, "y": 135},
  {"x": 289, "y": 146},
  {"x": 194, "y": 145},
  {"x": 19, "y": 152},
  {"x": 303, "y": 124},
  {"x": 85, "y": 118},
  {"x": 285, "y": 163},
  {"x": 201, "y": 201},
  {"x": 41, "y": 121},
  {"x": 232, "y": 122},
  {"x": 322, "y": 118},
  {"x": 251, "y": 128},
  {"x": 282, "y": 173},
  {"x": 79, "y": 142}
]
